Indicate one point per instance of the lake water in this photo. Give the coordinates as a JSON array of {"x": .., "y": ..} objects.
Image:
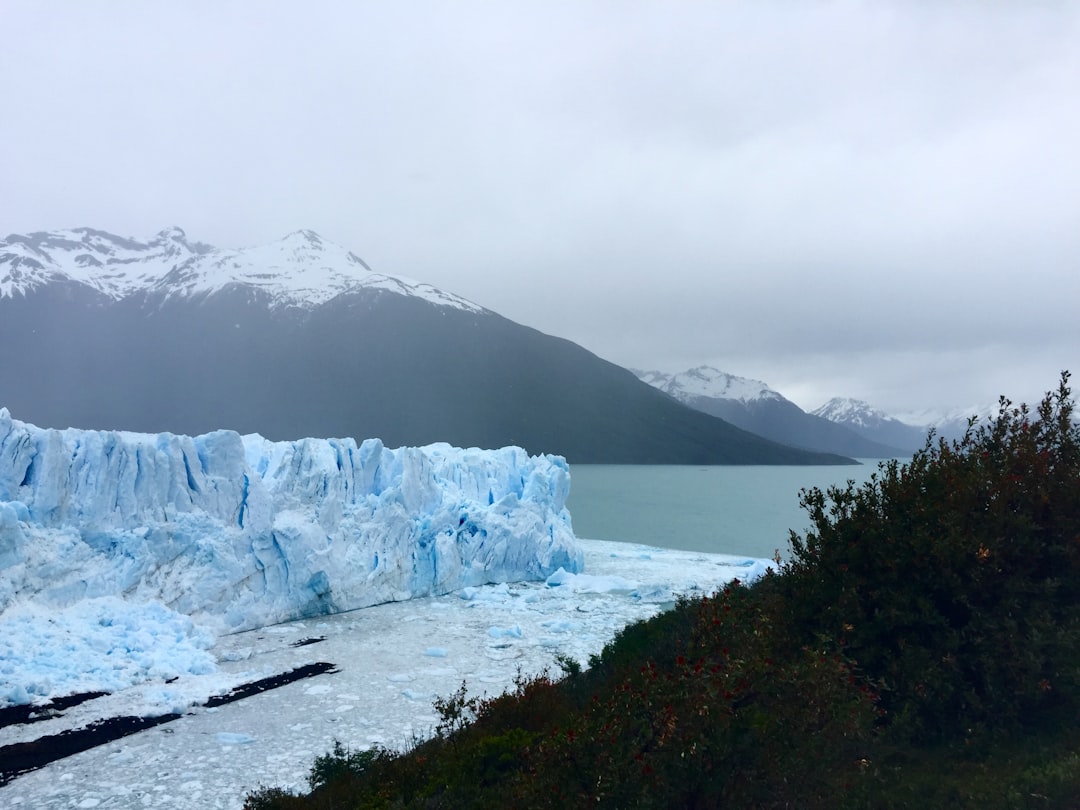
[{"x": 730, "y": 510}]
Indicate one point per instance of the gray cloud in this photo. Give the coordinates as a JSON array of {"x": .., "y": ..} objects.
[{"x": 873, "y": 199}]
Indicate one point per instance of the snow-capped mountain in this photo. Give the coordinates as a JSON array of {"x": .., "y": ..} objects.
[
  {"x": 301, "y": 269},
  {"x": 706, "y": 381},
  {"x": 872, "y": 423},
  {"x": 754, "y": 406},
  {"x": 301, "y": 338},
  {"x": 949, "y": 424},
  {"x": 855, "y": 412}
]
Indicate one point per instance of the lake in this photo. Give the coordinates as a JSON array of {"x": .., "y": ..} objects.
[{"x": 729, "y": 510}]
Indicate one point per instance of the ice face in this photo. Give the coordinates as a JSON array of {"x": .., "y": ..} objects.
[{"x": 238, "y": 532}]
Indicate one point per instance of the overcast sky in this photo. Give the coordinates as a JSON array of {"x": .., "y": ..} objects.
[{"x": 870, "y": 199}]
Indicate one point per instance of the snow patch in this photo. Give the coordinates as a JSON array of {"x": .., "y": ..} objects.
[{"x": 302, "y": 269}]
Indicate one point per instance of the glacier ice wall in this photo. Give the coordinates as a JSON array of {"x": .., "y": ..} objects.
[{"x": 239, "y": 532}]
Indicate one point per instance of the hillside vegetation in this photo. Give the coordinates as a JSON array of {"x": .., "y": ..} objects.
[{"x": 921, "y": 648}]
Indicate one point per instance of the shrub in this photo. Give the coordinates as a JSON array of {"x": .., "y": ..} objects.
[
  {"x": 340, "y": 763},
  {"x": 730, "y": 718},
  {"x": 954, "y": 579},
  {"x": 936, "y": 603}
]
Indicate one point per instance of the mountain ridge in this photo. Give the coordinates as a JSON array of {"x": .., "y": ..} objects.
[
  {"x": 706, "y": 381},
  {"x": 300, "y": 269},
  {"x": 754, "y": 406},
  {"x": 370, "y": 356},
  {"x": 908, "y": 431}
]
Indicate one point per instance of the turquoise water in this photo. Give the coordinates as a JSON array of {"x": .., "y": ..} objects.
[{"x": 730, "y": 510}]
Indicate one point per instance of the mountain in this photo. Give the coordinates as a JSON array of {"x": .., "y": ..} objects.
[
  {"x": 949, "y": 424},
  {"x": 753, "y": 406},
  {"x": 301, "y": 338},
  {"x": 301, "y": 270},
  {"x": 873, "y": 424}
]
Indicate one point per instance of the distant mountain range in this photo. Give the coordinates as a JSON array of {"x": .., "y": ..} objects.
[
  {"x": 905, "y": 431},
  {"x": 847, "y": 426},
  {"x": 301, "y": 338},
  {"x": 754, "y": 406},
  {"x": 861, "y": 418}
]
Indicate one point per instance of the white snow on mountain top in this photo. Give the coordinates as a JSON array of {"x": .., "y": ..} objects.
[
  {"x": 955, "y": 417},
  {"x": 301, "y": 269},
  {"x": 857, "y": 412},
  {"x": 847, "y": 411},
  {"x": 706, "y": 381}
]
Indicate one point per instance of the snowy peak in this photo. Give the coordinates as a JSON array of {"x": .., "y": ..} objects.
[
  {"x": 954, "y": 421},
  {"x": 299, "y": 269},
  {"x": 102, "y": 261},
  {"x": 302, "y": 269},
  {"x": 856, "y": 412},
  {"x": 874, "y": 424},
  {"x": 755, "y": 407},
  {"x": 706, "y": 381}
]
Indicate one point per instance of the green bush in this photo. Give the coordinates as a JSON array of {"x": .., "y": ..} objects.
[
  {"x": 938, "y": 604},
  {"x": 954, "y": 580},
  {"x": 334, "y": 778},
  {"x": 730, "y": 718},
  {"x": 340, "y": 763}
]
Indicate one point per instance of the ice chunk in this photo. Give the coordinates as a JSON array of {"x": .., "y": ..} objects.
[
  {"x": 590, "y": 583},
  {"x": 505, "y": 632},
  {"x": 102, "y": 644},
  {"x": 234, "y": 738}
]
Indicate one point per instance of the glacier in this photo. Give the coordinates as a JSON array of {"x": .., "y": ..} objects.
[
  {"x": 393, "y": 660},
  {"x": 237, "y": 532}
]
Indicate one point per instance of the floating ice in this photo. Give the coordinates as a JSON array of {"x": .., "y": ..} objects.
[
  {"x": 590, "y": 583},
  {"x": 102, "y": 644},
  {"x": 233, "y": 738},
  {"x": 379, "y": 651},
  {"x": 505, "y": 632}
]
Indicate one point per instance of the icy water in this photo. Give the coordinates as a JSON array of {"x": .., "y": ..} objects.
[
  {"x": 391, "y": 661},
  {"x": 724, "y": 510}
]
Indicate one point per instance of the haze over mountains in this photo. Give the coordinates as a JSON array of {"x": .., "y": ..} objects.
[
  {"x": 908, "y": 431},
  {"x": 754, "y": 406},
  {"x": 842, "y": 425},
  {"x": 865, "y": 420},
  {"x": 301, "y": 338}
]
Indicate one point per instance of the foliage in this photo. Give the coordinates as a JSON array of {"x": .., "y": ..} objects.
[
  {"x": 725, "y": 714},
  {"x": 730, "y": 719},
  {"x": 455, "y": 712},
  {"x": 954, "y": 580},
  {"x": 927, "y": 613},
  {"x": 340, "y": 763},
  {"x": 333, "y": 776},
  {"x": 272, "y": 798}
]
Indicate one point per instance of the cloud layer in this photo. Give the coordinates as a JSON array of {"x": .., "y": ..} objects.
[{"x": 843, "y": 198}]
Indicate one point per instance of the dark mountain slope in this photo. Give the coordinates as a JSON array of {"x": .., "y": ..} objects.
[
  {"x": 784, "y": 421},
  {"x": 300, "y": 338},
  {"x": 754, "y": 406},
  {"x": 369, "y": 363}
]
